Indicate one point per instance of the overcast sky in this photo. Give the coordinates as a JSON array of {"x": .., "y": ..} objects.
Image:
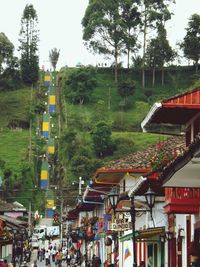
[{"x": 60, "y": 27}]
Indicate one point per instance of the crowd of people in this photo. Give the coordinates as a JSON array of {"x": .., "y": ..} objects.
[
  {"x": 60, "y": 256},
  {"x": 56, "y": 254}
]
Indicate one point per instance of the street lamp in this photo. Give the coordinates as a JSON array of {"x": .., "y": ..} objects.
[
  {"x": 14, "y": 247},
  {"x": 150, "y": 199},
  {"x": 113, "y": 199},
  {"x": 23, "y": 231}
]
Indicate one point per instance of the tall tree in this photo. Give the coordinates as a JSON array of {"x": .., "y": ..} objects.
[
  {"x": 80, "y": 85},
  {"x": 191, "y": 42},
  {"x": 159, "y": 52},
  {"x": 6, "y": 51},
  {"x": 102, "y": 139},
  {"x": 126, "y": 89},
  {"x": 153, "y": 14},
  {"x": 53, "y": 57},
  {"x": 102, "y": 29},
  {"x": 29, "y": 61},
  {"x": 130, "y": 21}
]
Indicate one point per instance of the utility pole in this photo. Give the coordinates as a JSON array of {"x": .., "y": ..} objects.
[
  {"x": 80, "y": 185},
  {"x": 29, "y": 220},
  {"x": 61, "y": 217},
  {"x": 109, "y": 97},
  {"x": 30, "y": 127}
]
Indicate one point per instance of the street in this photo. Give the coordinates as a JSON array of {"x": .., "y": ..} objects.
[{"x": 45, "y": 244}]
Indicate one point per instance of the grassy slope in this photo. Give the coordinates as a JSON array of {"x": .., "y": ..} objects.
[
  {"x": 14, "y": 143},
  {"x": 16, "y": 105},
  {"x": 13, "y": 148}
]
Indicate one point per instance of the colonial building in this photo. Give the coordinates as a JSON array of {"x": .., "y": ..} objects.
[
  {"x": 181, "y": 178},
  {"x": 111, "y": 236}
]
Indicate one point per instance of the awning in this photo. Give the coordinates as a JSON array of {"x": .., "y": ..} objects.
[
  {"x": 114, "y": 176},
  {"x": 185, "y": 170},
  {"x": 151, "y": 234},
  {"x": 187, "y": 176},
  {"x": 176, "y": 110},
  {"x": 143, "y": 183},
  {"x": 153, "y": 110},
  {"x": 72, "y": 215}
]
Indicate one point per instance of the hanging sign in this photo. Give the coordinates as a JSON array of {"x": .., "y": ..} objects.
[{"x": 120, "y": 225}]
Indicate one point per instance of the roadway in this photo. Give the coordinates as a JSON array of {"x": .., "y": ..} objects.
[{"x": 45, "y": 244}]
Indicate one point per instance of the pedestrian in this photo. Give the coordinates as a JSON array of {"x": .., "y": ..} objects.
[
  {"x": 96, "y": 261},
  {"x": 68, "y": 259},
  {"x": 43, "y": 253},
  {"x": 59, "y": 257},
  {"x": 106, "y": 263},
  {"x": 2, "y": 263},
  {"x": 24, "y": 264},
  {"x": 53, "y": 254},
  {"x": 5, "y": 263},
  {"x": 47, "y": 257},
  {"x": 34, "y": 264}
]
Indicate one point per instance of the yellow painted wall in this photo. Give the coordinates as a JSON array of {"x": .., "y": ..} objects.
[
  {"x": 44, "y": 174},
  {"x": 47, "y": 78},
  {"x": 52, "y": 99},
  {"x": 45, "y": 126},
  {"x": 51, "y": 149},
  {"x": 49, "y": 204}
]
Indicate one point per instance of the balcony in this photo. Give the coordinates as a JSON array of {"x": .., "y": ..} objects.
[{"x": 182, "y": 200}]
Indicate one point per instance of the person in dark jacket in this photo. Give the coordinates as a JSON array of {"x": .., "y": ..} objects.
[{"x": 96, "y": 261}]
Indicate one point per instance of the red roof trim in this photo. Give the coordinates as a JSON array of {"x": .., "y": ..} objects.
[
  {"x": 187, "y": 94},
  {"x": 173, "y": 105},
  {"x": 189, "y": 99},
  {"x": 153, "y": 176},
  {"x": 122, "y": 170}
]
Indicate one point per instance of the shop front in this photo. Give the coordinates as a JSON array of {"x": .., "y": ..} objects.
[{"x": 150, "y": 248}]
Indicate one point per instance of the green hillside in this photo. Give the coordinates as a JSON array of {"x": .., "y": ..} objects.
[
  {"x": 17, "y": 108},
  {"x": 129, "y": 118},
  {"x": 13, "y": 148},
  {"x": 14, "y": 133}
]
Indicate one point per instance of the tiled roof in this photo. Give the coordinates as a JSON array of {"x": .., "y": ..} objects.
[
  {"x": 181, "y": 160},
  {"x": 12, "y": 221},
  {"x": 5, "y": 206},
  {"x": 142, "y": 158}
]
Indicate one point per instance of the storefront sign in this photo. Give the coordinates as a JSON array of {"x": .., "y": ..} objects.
[{"x": 120, "y": 225}]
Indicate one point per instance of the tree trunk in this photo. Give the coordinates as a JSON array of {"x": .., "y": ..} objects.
[
  {"x": 128, "y": 58},
  {"x": 196, "y": 67},
  {"x": 30, "y": 126},
  {"x": 144, "y": 47},
  {"x": 163, "y": 77},
  {"x": 116, "y": 65},
  {"x": 143, "y": 77},
  {"x": 153, "y": 77}
]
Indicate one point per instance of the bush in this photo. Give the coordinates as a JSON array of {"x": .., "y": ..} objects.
[
  {"x": 123, "y": 146},
  {"x": 148, "y": 92},
  {"x": 101, "y": 137}
]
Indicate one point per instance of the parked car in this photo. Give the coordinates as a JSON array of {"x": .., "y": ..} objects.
[{"x": 34, "y": 242}]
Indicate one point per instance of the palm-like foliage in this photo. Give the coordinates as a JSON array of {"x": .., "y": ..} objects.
[{"x": 53, "y": 57}]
